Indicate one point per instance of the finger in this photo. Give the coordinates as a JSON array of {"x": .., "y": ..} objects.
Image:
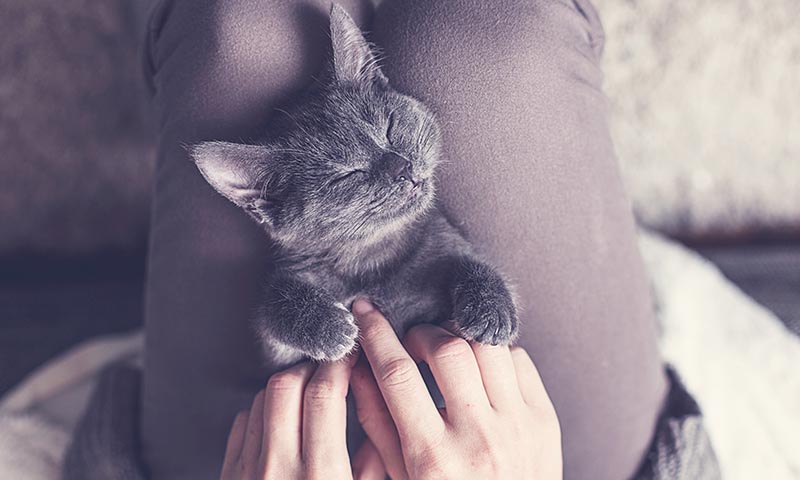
[
  {"x": 283, "y": 414},
  {"x": 367, "y": 464},
  {"x": 530, "y": 383},
  {"x": 375, "y": 419},
  {"x": 251, "y": 451},
  {"x": 233, "y": 448},
  {"x": 398, "y": 378},
  {"x": 324, "y": 444},
  {"x": 498, "y": 374},
  {"x": 453, "y": 365}
]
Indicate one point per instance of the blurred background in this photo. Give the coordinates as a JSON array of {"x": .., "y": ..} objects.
[{"x": 705, "y": 108}]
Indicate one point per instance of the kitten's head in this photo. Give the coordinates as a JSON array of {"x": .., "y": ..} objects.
[{"x": 353, "y": 161}]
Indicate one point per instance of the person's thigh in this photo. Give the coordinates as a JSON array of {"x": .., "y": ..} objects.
[
  {"x": 530, "y": 175},
  {"x": 217, "y": 69}
]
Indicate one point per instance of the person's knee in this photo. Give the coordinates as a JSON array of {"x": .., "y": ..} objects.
[
  {"x": 496, "y": 41},
  {"x": 532, "y": 25},
  {"x": 275, "y": 37},
  {"x": 227, "y": 36},
  {"x": 211, "y": 47}
]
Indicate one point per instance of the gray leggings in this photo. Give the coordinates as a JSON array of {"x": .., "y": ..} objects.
[{"x": 530, "y": 176}]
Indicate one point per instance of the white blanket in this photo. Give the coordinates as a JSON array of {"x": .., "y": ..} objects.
[
  {"x": 734, "y": 356},
  {"x": 705, "y": 112}
]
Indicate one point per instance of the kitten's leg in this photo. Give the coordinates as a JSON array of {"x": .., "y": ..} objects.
[
  {"x": 299, "y": 319},
  {"x": 483, "y": 307}
]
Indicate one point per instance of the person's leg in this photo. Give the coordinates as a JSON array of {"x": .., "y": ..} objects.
[
  {"x": 217, "y": 69},
  {"x": 530, "y": 176}
]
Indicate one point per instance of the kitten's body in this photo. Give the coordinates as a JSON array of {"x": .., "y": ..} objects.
[
  {"x": 344, "y": 186},
  {"x": 410, "y": 278}
]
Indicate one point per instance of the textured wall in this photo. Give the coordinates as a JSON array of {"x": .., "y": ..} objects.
[{"x": 75, "y": 155}]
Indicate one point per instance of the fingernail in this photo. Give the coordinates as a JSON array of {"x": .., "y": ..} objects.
[{"x": 362, "y": 307}]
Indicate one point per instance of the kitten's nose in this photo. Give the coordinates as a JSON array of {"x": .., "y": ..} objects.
[{"x": 398, "y": 167}]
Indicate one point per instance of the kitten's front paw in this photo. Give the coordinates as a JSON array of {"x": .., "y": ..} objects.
[
  {"x": 334, "y": 335},
  {"x": 483, "y": 309}
]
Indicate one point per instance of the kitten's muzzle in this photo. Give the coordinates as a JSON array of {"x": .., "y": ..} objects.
[{"x": 399, "y": 168}]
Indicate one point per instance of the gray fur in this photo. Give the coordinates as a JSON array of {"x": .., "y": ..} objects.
[{"x": 344, "y": 185}]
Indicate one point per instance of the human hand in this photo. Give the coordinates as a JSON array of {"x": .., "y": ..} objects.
[
  {"x": 498, "y": 422},
  {"x": 295, "y": 428}
]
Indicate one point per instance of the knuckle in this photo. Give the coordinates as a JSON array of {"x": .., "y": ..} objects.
[
  {"x": 397, "y": 372},
  {"x": 448, "y": 347},
  {"x": 284, "y": 382},
  {"x": 426, "y": 450},
  {"x": 371, "y": 330},
  {"x": 487, "y": 447},
  {"x": 369, "y": 334},
  {"x": 321, "y": 390},
  {"x": 429, "y": 465}
]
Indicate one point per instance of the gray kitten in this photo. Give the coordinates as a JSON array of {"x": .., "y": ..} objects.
[{"x": 344, "y": 185}]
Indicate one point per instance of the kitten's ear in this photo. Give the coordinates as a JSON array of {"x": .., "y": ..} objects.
[
  {"x": 236, "y": 171},
  {"x": 353, "y": 59}
]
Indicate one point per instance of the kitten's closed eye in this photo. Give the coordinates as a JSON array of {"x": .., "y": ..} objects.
[
  {"x": 350, "y": 175},
  {"x": 389, "y": 128}
]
